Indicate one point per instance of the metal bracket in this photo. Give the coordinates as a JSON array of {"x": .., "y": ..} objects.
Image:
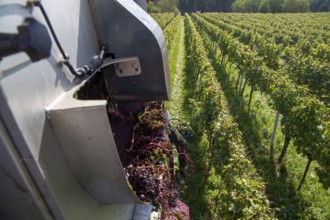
[
  {"x": 124, "y": 67},
  {"x": 128, "y": 67}
]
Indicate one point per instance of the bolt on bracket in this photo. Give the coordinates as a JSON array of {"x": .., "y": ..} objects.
[
  {"x": 124, "y": 67},
  {"x": 127, "y": 67}
]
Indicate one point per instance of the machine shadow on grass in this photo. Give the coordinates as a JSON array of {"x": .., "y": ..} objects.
[{"x": 280, "y": 190}]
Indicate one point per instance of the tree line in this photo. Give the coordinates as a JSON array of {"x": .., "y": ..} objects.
[{"x": 262, "y": 6}]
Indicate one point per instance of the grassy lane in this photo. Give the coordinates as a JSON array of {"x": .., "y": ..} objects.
[
  {"x": 194, "y": 192},
  {"x": 177, "y": 62}
]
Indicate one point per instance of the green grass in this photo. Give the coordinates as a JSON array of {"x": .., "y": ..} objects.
[
  {"x": 173, "y": 62},
  {"x": 176, "y": 63}
]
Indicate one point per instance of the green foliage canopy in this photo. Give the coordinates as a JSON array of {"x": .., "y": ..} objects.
[
  {"x": 265, "y": 6},
  {"x": 262, "y": 6},
  {"x": 320, "y": 5},
  {"x": 205, "y": 5},
  {"x": 162, "y": 6},
  {"x": 296, "y": 6}
]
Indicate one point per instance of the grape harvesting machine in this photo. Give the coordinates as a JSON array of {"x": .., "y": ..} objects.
[{"x": 61, "y": 61}]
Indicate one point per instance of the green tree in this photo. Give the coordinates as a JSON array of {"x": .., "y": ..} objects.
[
  {"x": 251, "y": 6},
  {"x": 243, "y": 6},
  {"x": 152, "y": 7},
  {"x": 320, "y": 5},
  {"x": 276, "y": 6},
  {"x": 167, "y": 5},
  {"x": 205, "y": 5},
  {"x": 296, "y": 5},
  {"x": 264, "y": 6}
]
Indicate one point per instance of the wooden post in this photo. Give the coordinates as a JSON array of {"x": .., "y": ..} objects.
[
  {"x": 305, "y": 173},
  {"x": 240, "y": 84},
  {"x": 275, "y": 128}
]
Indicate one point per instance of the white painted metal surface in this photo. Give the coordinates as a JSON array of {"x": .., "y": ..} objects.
[{"x": 83, "y": 130}]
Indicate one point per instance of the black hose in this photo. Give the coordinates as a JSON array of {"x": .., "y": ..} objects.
[{"x": 65, "y": 56}]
